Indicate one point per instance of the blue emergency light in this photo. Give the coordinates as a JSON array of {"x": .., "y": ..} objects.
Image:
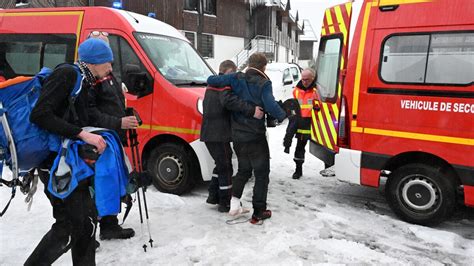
[{"x": 117, "y": 5}]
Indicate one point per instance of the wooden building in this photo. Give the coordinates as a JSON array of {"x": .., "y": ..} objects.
[{"x": 219, "y": 29}]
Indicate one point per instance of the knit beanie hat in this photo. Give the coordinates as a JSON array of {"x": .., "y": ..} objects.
[{"x": 95, "y": 51}]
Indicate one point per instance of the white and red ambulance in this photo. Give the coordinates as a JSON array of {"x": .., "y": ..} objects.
[{"x": 396, "y": 81}]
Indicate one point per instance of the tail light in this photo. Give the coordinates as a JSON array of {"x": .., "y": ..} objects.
[{"x": 344, "y": 125}]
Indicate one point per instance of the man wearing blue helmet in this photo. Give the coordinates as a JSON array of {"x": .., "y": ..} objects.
[{"x": 76, "y": 215}]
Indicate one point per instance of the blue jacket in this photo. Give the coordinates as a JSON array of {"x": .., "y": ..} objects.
[
  {"x": 110, "y": 174},
  {"x": 253, "y": 87}
]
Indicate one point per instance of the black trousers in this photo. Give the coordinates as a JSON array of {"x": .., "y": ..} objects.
[
  {"x": 302, "y": 140},
  {"x": 221, "y": 182},
  {"x": 253, "y": 156},
  {"x": 74, "y": 228}
]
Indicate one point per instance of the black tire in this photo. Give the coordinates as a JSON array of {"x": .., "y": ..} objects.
[
  {"x": 171, "y": 167},
  {"x": 421, "y": 194}
]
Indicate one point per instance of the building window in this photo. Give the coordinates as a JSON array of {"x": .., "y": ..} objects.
[
  {"x": 210, "y": 7},
  {"x": 191, "y": 37},
  {"x": 191, "y": 5},
  {"x": 438, "y": 58},
  {"x": 207, "y": 46}
]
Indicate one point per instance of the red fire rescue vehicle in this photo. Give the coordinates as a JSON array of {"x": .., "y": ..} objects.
[
  {"x": 396, "y": 82},
  {"x": 164, "y": 75}
]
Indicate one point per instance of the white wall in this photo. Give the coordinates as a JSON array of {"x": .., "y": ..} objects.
[{"x": 225, "y": 47}]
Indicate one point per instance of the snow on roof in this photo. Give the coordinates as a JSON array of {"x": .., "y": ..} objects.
[{"x": 308, "y": 32}]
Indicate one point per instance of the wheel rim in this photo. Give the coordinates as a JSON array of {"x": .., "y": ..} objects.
[
  {"x": 170, "y": 169},
  {"x": 420, "y": 193}
]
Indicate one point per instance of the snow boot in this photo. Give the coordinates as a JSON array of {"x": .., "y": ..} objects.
[
  {"x": 212, "y": 199},
  {"x": 224, "y": 204},
  {"x": 259, "y": 216},
  {"x": 299, "y": 171},
  {"x": 223, "y": 208},
  {"x": 110, "y": 229}
]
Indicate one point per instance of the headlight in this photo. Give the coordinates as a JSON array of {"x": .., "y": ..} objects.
[{"x": 200, "y": 107}]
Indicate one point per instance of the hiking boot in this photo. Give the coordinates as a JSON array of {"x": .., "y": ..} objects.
[
  {"x": 116, "y": 232},
  {"x": 212, "y": 199},
  {"x": 298, "y": 172},
  {"x": 223, "y": 207},
  {"x": 258, "y": 217}
]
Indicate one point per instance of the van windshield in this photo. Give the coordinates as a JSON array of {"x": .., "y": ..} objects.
[{"x": 176, "y": 59}]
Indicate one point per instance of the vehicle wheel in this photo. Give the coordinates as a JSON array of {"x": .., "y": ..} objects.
[
  {"x": 171, "y": 167},
  {"x": 420, "y": 194}
]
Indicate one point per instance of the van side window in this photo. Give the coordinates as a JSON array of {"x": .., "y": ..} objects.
[
  {"x": 127, "y": 67},
  {"x": 436, "y": 58},
  {"x": 294, "y": 73},
  {"x": 286, "y": 75},
  {"x": 328, "y": 67},
  {"x": 26, "y": 54}
]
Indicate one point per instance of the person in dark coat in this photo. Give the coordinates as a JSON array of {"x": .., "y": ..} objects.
[
  {"x": 248, "y": 133},
  {"x": 107, "y": 110},
  {"x": 216, "y": 133},
  {"x": 75, "y": 216}
]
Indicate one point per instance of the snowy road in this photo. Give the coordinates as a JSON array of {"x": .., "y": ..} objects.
[{"x": 315, "y": 220}]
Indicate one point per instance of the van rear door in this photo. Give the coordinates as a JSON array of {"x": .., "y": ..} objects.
[{"x": 332, "y": 61}]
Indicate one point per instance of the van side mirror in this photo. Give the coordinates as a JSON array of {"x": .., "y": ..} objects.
[
  {"x": 287, "y": 81},
  {"x": 137, "y": 81}
]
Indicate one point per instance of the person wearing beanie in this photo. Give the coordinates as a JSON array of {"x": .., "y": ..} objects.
[
  {"x": 75, "y": 216},
  {"x": 107, "y": 110}
]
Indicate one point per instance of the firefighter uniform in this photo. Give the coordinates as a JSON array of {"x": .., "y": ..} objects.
[{"x": 305, "y": 96}]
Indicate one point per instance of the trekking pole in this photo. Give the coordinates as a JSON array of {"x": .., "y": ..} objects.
[
  {"x": 138, "y": 167},
  {"x": 132, "y": 137},
  {"x": 140, "y": 170}
]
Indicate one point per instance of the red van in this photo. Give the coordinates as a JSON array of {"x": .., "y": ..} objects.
[
  {"x": 396, "y": 80},
  {"x": 164, "y": 74}
]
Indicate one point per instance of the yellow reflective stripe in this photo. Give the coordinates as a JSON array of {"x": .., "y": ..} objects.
[
  {"x": 360, "y": 56},
  {"x": 306, "y": 106},
  {"x": 172, "y": 129},
  {"x": 357, "y": 129},
  {"x": 323, "y": 31},
  {"x": 401, "y": 2},
  {"x": 353, "y": 123},
  {"x": 342, "y": 24},
  {"x": 419, "y": 136},
  {"x": 330, "y": 23},
  {"x": 316, "y": 128},
  {"x": 330, "y": 123},
  {"x": 303, "y": 131},
  {"x": 349, "y": 9},
  {"x": 324, "y": 131}
]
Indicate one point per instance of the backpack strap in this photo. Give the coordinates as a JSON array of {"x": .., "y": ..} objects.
[{"x": 71, "y": 110}]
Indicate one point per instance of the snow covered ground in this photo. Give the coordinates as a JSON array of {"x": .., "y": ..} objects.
[{"x": 316, "y": 220}]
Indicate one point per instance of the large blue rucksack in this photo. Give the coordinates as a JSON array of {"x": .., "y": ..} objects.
[{"x": 33, "y": 144}]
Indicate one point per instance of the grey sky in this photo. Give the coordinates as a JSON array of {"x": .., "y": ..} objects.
[{"x": 313, "y": 10}]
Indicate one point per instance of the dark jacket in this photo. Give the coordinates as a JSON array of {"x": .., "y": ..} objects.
[
  {"x": 51, "y": 110},
  {"x": 253, "y": 87},
  {"x": 107, "y": 106},
  {"x": 217, "y": 106}
]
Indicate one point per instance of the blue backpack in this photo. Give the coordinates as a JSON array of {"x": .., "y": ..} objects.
[{"x": 33, "y": 144}]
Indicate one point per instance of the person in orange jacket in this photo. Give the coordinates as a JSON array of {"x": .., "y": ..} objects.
[{"x": 305, "y": 92}]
